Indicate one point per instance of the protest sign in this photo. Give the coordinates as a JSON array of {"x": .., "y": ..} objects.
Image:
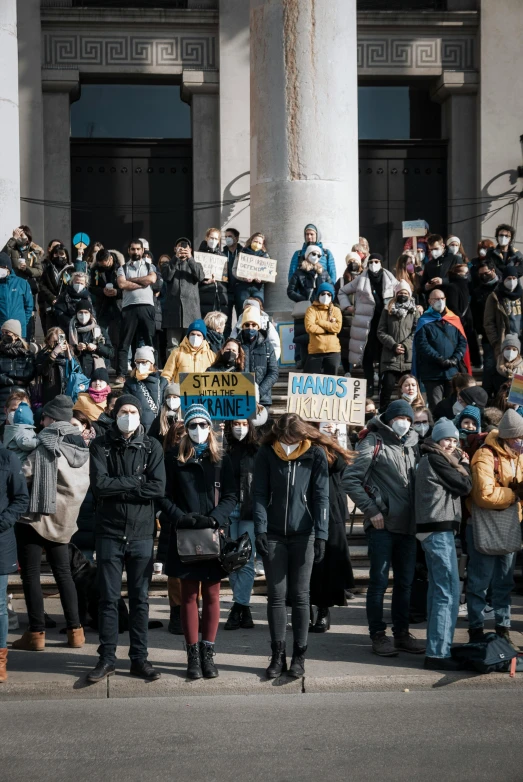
[
  {"x": 327, "y": 398},
  {"x": 226, "y": 395},
  {"x": 213, "y": 264},
  {"x": 286, "y": 335},
  {"x": 253, "y": 267},
  {"x": 515, "y": 396},
  {"x": 81, "y": 241},
  {"x": 414, "y": 228}
]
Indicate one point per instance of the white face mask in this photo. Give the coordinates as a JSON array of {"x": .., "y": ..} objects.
[
  {"x": 78, "y": 286},
  {"x": 11, "y": 417},
  {"x": 212, "y": 244},
  {"x": 453, "y": 249},
  {"x": 439, "y": 305},
  {"x": 240, "y": 431},
  {"x": 325, "y": 298},
  {"x": 482, "y": 252},
  {"x": 421, "y": 429},
  {"x": 288, "y": 449},
  {"x": 375, "y": 266},
  {"x": 195, "y": 340},
  {"x": 409, "y": 397},
  {"x": 199, "y": 435},
  {"x": 401, "y": 427},
  {"x": 83, "y": 318},
  {"x": 173, "y": 402},
  {"x": 503, "y": 240},
  {"x": 437, "y": 253},
  {"x": 510, "y": 285},
  {"x": 510, "y": 354},
  {"x": 421, "y": 255},
  {"x": 3, "y": 273},
  {"x": 229, "y": 241},
  {"x": 457, "y": 407},
  {"x": 129, "y": 422},
  {"x": 143, "y": 366}
]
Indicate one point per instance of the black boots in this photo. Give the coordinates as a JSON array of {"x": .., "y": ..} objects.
[
  {"x": 194, "y": 665},
  {"x": 476, "y": 635},
  {"x": 175, "y": 621},
  {"x": 246, "y": 620},
  {"x": 297, "y": 668},
  {"x": 278, "y": 663},
  {"x": 235, "y": 617},
  {"x": 209, "y": 670},
  {"x": 442, "y": 664},
  {"x": 323, "y": 621}
]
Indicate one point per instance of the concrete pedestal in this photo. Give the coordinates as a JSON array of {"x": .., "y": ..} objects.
[
  {"x": 9, "y": 145},
  {"x": 304, "y": 128}
]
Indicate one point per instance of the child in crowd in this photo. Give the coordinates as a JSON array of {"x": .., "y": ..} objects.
[{"x": 20, "y": 435}]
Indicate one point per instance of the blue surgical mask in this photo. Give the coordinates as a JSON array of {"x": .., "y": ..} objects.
[{"x": 249, "y": 334}]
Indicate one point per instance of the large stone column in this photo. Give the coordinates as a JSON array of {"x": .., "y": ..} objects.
[
  {"x": 31, "y": 117},
  {"x": 235, "y": 138},
  {"x": 304, "y": 128},
  {"x": 9, "y": 140}
]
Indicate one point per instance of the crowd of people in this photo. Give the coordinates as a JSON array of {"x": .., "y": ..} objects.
[{"x": 101, "y": 466}]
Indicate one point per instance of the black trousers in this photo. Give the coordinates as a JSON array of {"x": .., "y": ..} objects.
[
  {"x": 323, "y": 363},
  {"x": 138, "y": 323},
  {"x": 389, "y": 380}
]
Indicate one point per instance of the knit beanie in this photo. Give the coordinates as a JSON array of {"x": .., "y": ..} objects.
[
  {"x": 5, "y": 261},
  {"x": 445, "y": 428},
  {"x": 60, "y": 408},
  {"x": 510, "y": 341},
  {"x": 511, "y": 425},
  {"x": 23, "y": 414},
  {"x": 453, "y": 240},
  {"x": 510, "y": 271},
  {"x": 127, "y": 399},
  {"x": 474, "y": 395},
  {"x": 197, "y": 325},
  {"x": 252, "y": 315},
  {"x": 326, "y": 287},
  {"x": 375, "y": 257},
  {"x": 469, "y": 412},
  {"x": 313, "y": 248},
  {"x": 312, "y": 227},
  {"x": 84, "y": 304},
  {"x": 145, "y": 353},
  {"x": 100, "y": 374},
  {"x": 14, "y": 326},
  {"x": 402, "y": 285},
  {"x": 199, "y": 411},
  {"x": 397, "y": 408},
  {"x": 172, "y": 389}
]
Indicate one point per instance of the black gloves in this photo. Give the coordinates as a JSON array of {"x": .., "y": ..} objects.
[
  {"x": 447, "y": 363},
  {"x": 186, "y": 522},
  {"x": 319, "y": 550},
  {"x": 196, "y": 521},
  {"x": 262, "y": 544}
]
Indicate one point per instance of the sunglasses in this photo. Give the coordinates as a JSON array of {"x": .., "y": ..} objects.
[
  {"x": 313, "y": 255},
  {"x": 201, "y": 424}
]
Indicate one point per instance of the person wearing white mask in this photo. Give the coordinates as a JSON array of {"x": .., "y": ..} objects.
[
  {"x": 504, "y": 253},
  {"x": 510, "y": 361},
  {"x": 170, "y": 412},
  {"x": 146, "y": 384},
  {"x": 72, "y": 295},
  {"x": 381, "y": 484},
  {"x": 395, "y": 332},
  {"x": 213, "y": 292},
  {"x": 291, "y": 532},
  {"x": 503, "y": 309},
  {"x": 423, "y": 422},
  {"x": 89, "y": 340},
  {"x": 201, "y": 494},
  {"x": 436, "y": 270},
  {"x": 454, "y": 247},
  {"x": 193, "y": 355},
  {"x": 127, "y": 476},
  {"x": 323, "y": 323}
]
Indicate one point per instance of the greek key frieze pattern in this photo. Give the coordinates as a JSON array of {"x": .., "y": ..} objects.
[
  {"x": 392, "y": 53},
  {"x": 77, "y": 49}
]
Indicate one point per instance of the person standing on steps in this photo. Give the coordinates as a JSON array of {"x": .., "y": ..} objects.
[
  {"x": 291, "y": 524},
  {"x": 323, "y": 324}
]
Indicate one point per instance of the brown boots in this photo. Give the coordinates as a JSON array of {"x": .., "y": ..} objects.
[
  {"x": 75, "y": 637},
  {"x": 3, "y": 665},
  {"x": 30, "y": 642}
]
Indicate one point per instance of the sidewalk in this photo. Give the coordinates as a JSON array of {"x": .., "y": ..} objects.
[{"x": 337, "y": 661}]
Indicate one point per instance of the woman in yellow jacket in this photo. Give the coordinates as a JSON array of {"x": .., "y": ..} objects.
[
  {"x": 193, "y": 355},
  {"x": 497, "y": 483},
  {"x": 323, "y": 323}
]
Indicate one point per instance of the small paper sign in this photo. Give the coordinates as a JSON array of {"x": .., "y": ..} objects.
[
  {"x": 286, "y": 334},
  {"x": 213, "y": 264},
  {"x": 81, "y": 241},
  {"x": 414, "y": 228},
  {"x": 327, "y": 398},
  {"x": 515, "y": 396},
  {"x": 254, "y": 267},
  {"x": 228, "y": 396}
]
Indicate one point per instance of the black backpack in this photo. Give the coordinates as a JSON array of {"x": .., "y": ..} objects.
[{"x": 493, "y": 655}]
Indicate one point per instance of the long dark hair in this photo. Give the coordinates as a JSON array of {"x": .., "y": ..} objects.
[
  {"x": 240, "y": 362},
  {"x": 174, "y": 435},
  {"x": 250, "y": 441},
  {"x": 291, "y": 426}
]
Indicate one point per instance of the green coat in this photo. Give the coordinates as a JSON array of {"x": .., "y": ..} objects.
[{"x": 393, "y": 331}]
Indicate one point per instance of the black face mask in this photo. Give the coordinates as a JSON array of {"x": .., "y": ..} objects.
[
  {"x": 369, "y": 416},
  {"x": 354, "y": 268},
  {"x": 402, "y": 299},
  {"x": 485, "y": 278},
  {"x": 59, "y": 261},
  {"x": 229, "y": 357}
]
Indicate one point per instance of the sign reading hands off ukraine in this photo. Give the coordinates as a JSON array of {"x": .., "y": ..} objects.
[{"x": 327, "y": 398}]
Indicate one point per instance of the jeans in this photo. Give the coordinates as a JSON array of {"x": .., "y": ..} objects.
[
  {"x": 288, "y": 568},
  {"x": 443, "y": 592},
  {"x": 242, "y": 581},
  {"x": 29, "y": 546},
  {"x": 436, "y": 391},
  {"x": 138, "y": 558},
  {"x": 386, "y": 549},
  {"x": 323, "y": 363},
  {"x": 4, "y": 618},
  {"x": 137, "y": 326},
  {"x": 484, "y": 571}
]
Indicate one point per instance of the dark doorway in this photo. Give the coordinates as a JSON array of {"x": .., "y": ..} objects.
[
  {"x": 123, "y": 189},
  {"x": 403, "y": 180}
]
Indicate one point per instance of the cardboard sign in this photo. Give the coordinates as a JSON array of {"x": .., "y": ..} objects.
[
  {"x": 226, "y": 395},
  {"x": 515, "y": 396},
  {"x": 213, "y": 264},
  {"x": 253, "y": 267},
  {"x": 414, "y": 228},
  {"x": 327, "y": 398},
  {"x": 81, "y": 240},
  {"x": 286, "y": 334}
]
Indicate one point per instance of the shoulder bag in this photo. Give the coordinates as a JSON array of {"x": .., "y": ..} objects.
[{"x": 199, "y": 545}]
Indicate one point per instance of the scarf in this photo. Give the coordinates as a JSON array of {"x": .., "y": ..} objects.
[
  {"x": 199, "y": 448},
  {"x": 503, "y": 293},
  {"x": 429, "y": 446},
  {"x": 99, "y": 395},
  {"x": 75, "y": 329},
  {"x": 142, "y": 375},
  {"x": 13, "y": 347},
  {"x": 45, "y": 471},
  {"x": 401, "y": 310},
  {"x": 430, "y": 317},
  {"x": 299, "y": 451}
]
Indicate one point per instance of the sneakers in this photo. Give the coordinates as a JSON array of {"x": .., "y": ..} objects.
[
  {"x": 382, "y": 645},
  {"x": 235, "y": 617},
  {"x": 405, "y": 642},
  {"x": 119, "y": 381},
  {"x": 259, "y": 570},
  {"x": 14, "y": 624},
  {"x": 463, "y": 611}
]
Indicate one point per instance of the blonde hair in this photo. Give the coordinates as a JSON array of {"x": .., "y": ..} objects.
[
  {"x": 209, "y": 231},
  {"x": 76, "y": 275},
  {"x": 215, "y": 319},
  {"x": 186, "y": 450}
]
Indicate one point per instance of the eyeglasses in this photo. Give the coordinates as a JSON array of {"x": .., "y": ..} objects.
[{"x": 201, "y": 424}]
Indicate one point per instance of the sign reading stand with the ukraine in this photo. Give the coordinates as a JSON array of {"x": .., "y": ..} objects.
[
  {"x": 327, "y": 398},
  {"x": 228, "y": 396}
]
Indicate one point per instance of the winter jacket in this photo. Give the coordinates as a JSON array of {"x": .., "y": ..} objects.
[
  {"x": 260, "y": 359},
  {"x": 364, "y": 308},
  {"x": 496, "y": 318},
  {"x": 505, "y": 371},
  {"x": 150, "y": 393},
  {"x": 303, "y": 284},
  {"x": 16, "y": 372},
  {"x": 490, "y": 490},
  {"x": 14, "y": 500},
  {"x": 439, "y": 489},
  {"x": 187, "y": 359},
  {"x": 107, "y": 307},
  {"x": 291, "y": 497},
  {"x": 72, "y": 484},
  {"x": 53, "y": 373},
  {"x": 512, "y": 257},
  {"x": 33, "y": 255},
  {"x": 231, "y": 279},
  {"x": 322, "y": 333},
  {"x": 84, "y": 537},
  {"x": 191, "y": 489},
  {"x": 346, "y": 317},
  {"x": 435, "y": 340},
  {"x": 215, "y": 340},
  {"x": 393, "y": 331},
  {"x": 386, "y": 466},
  {"x": 478, "y": 300},
  {"x": 267, "y": 326},
  {"x": 66, "y": 304},
  {"x": 181, "y": 304},
  {"x": 326, "y": 260},
  {"x": 20, "y": 439},
  {"x": 242, "y": 459},
  {"x": 50, "y": 285},
  {"x": 86, "y": 405},
  {"x": 244, "y": 289},
  {"x": 16, "y": 301},
  {"x": 440, "y": 267},
  {"x": 127, "y": 475},
  {"x": 104, "y": 350},
  {"x": 213, "y": 295}
]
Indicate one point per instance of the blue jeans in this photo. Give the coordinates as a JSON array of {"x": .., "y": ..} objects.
[
  {"x": 443, "y": 592},
  {"x": 242, "y": 581},
  {"x": 484, "y": 571},
  {"x": 386, "y": 549},
  {"x": 111, "y": 555},
  {"x": 4, "y": 618}
]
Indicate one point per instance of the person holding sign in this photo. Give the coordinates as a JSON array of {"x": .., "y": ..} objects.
[
  {"x": 213, "y": 293},
  {"x": 259, "y": 354},
  {"x": 323, "y": 324},
  {"x": 193, "y": 355},
  {"x": 252, "y": 287}
]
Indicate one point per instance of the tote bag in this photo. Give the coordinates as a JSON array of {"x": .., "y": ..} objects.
[{"x": 496, "y": 532}]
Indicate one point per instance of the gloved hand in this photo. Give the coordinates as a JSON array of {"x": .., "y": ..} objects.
[
  {"x": 447, "y": 363},
  {"x": 262, "y": 544},
  {"x": 204, "y": 522},
  {"x": 319, "y": 550},
  {"x": 187, "y": 521},
  {"x": 517, "y": 488}
]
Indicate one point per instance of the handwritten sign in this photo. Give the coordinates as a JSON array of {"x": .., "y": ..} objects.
[
  {"x": 327, "y": 398},
  {"x": 253, "y": 267},
  {"x": 414, "y": 228},
  {"x": 213, "y": 264},
  {"x": 226, "y": 395},
  {"x": 515, "y": 396},
  {"x": 81, "y": 241},
  {"x": 286, "y": 334}
]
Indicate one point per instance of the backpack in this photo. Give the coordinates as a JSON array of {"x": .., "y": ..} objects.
[
  {"x": 77, "y": 382},
  {"x": 493, "y": 655}
]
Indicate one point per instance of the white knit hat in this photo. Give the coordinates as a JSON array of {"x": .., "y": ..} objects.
[
  {"x": 453, "y": 240},
  {"x": 402, "y": 285},
  {"x": 144, "y": 353},
  {"x": 313, "y": 248}
]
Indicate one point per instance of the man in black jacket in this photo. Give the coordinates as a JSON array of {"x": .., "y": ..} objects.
[
  {"x": 436, "y": 271},
  {"x": 127, "y": 474},
  {"x": 504, "y": 253}
]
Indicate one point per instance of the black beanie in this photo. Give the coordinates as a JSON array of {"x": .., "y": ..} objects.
[
  {"x": 127, "y": 399},
  {"x": 60, "y": 408},
  {"x": 84, "y": 304},
  {"x": 100, "y": 374},
  {"x": 5, "y": 261}
]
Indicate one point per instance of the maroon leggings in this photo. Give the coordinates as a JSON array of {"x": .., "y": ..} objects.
[{"x": 210, "y": 609}]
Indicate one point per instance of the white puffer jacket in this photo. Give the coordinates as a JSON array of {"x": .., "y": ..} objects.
[{"x": 364, "y": 306}]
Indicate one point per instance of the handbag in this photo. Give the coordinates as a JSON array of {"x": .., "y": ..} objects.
[
  {"x": 199, "y": 545},
  {"x": 496, "y": 532},
  {"x": 300, "y": 308}
]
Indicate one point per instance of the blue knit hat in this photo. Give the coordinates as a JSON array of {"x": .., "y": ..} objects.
[
  {"x": 469, "y": 412},
  {"x": 196, "y": 411},
  {"x": 197, "y": 325},
  {"x": 397, "y": 408},
  {"x": 326, "y": 287},
  {"x": 444, "y": 428},
  {"x": 23, "y": 415}
]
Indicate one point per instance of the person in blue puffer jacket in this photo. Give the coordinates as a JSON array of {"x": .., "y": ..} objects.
[
  {"x": 16, "y": 298},
  {"x": 312, "y": 235}
]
